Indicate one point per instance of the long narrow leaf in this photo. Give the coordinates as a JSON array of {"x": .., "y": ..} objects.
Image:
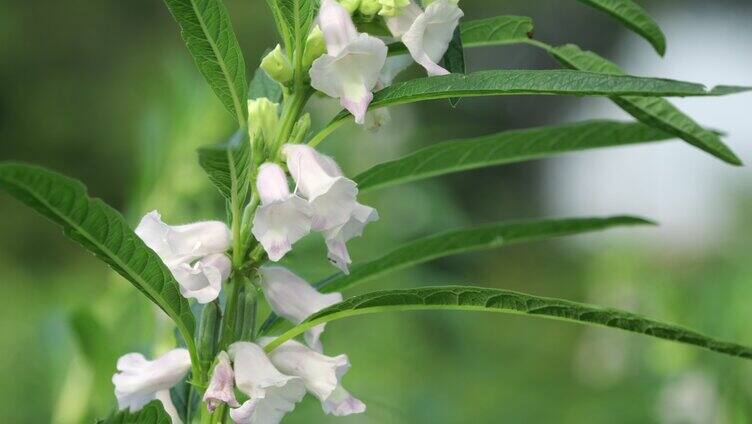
[
  {"x": 462, "y": 241},
  {"x": 152, "y": 413},
  {"x": 635, "y": 18},
  {"x": 656, "y": 112},
  {"x": 505, "y": 147},
  {"x": 464, "y": 298},
  {"x": 227, "y": 166},
  {"x": 208, "y": 34},
  {"x": 102, "y": 231}
]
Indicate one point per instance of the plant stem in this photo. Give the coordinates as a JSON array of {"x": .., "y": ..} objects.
[
  {"x": 321, "y": 135},
  {"x": 293, "y": 106}
]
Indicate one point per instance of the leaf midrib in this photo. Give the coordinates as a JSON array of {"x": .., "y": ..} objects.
[{"x": 220, "y": 62}]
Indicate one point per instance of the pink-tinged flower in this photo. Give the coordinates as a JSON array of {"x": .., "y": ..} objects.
[
  {"x": 350, "y": 68},
  {"x": 272, "y": 394},
  {"x": 320, "y": 181},
  {"x": 337, "y": 238},
  {"x": 321, "y": 374},
  {"x": 427, "y": 34},
  {"x": 283, "y": 218},
  {"x": 194, "y": 253},
  {"x": 221, "y": 385},
  {"x": 294, "y": 299},
  {"x": 139, "y": 381}
]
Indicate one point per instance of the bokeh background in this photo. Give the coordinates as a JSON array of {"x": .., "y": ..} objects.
[{"x": 106, "y": 92}]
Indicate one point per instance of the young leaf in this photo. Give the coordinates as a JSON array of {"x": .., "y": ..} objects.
[
  {"x": 462, "y": 241},
  {"x": 505, "y": 147},
  {"x": 102, "y": 231},
  {"x": 464, "y": 298},
  {"x": 635, "y": 18},
  {"x": 208, "y": 34},
  {"x": 454, "y": 59},
  {"x": 227, "y": 166},
  {"x": 262, "y": 85},
  {"x": 656, "y": 112},
  {"x": 152, "y": 413}
]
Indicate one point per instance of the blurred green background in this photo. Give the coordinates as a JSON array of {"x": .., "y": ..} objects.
[{"x": 106, "y": 92}]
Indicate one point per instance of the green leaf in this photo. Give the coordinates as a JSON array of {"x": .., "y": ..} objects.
[
  {"x": 102, "y": 231},
  {"x": 454, "y": 59},
  {"x": 152, "y": 413},
  {"x": 496, "y": 31},
  {"x": 505, "y": 147},
  {"x": 227, "y": 166},
  {"x": 635, "y": 18},
  {"x": 464, "y": 298},
  {"x": 656, "y": 112},
  {"x": 207, "y": 30},
  {"x": 262, "y": 85},
  {"x": 461, "y": 241}
]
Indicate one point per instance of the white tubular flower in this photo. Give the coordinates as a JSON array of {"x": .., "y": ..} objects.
[
  {"x": 337, "y": 238},
  {"x": 321, "y": 374},
  {"x": 203, "y": 280},
  {"x": 272, "y": 394},
  {"x": 350, "y": 69},
  {"x": 427, "y": 34},
  {"x": 294, "y": 299},
  {"x": 320, "y": 181},
  {"x": 283, "y": 218},
  {"x": 221, "y": 385},
  {"x": 179, "y": 246},
  {"x": 139, "y": 381}
]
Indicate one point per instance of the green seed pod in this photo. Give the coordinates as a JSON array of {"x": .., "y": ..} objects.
[{"x": 208, "y": 334}]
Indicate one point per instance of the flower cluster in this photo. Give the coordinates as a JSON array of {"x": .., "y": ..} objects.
[{"x": 256, "y": 386}]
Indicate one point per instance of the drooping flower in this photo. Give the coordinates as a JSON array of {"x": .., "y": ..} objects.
[
  {"x": 427, "y": 34},
  {"x": 321, "y": 374},
  {"x": 350, "y": 68},
  {"x": 337, "y": 238},
  {"x": 294, "y": 299},
  {"x": 221, "y": 385},
  {"x": 272, "y": 394},
  {"x": 139, "y": 381},
  {"x": 332, "y": 197},
  {"x": 282, "y": 218},
  {"x": 320, "y": 181},
  {"x": 192, "y": 252}
]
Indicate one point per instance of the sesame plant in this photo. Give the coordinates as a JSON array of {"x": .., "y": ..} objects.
[{"x": 209, "y": 276}]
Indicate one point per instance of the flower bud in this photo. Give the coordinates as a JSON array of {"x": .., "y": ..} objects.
[
  {"x": 300, "y": 129},
  {"x": 392, "y": 8},
  {"x": 277, "y": 65},
  {"x": 369, "y": 8},
  {"x": 350, "y": 5},
  {"x": 315, "y": 46},
  {"x": 263, "y": 118}
]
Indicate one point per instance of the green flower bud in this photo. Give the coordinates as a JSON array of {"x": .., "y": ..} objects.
[
  {"x": 392, "y": 8},
  {"x": 276, "y": 64},
  {"x": 350, "y": 5},
  {"x": 263, "y": 119},
  {"x": 315, "y": 46},
  {"x": 369, "y": 8},
  {"x": 300, "y": 129}
]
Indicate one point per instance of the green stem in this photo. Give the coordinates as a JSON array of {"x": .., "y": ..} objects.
[
  {"x": 321, "y": 135},
  {"x": 293, "y": 106}
]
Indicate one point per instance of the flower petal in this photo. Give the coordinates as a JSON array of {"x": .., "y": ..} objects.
[
  {"x": 322, "y": 375},
  {"x": 169, "y": 407},
  {"x": 183, "y": 243},
  {"x": 221, "y": 385},
  {"x": 139, "y": 379},
  {"x": 272, "y": 183},
  {"x": 337, "y": 238},
  {"x": 351, "y": 73},
  {"x": 337, "y": 25},
  {"x": 400, "y": 24},
  {"x": 429, "y": 35},
  {"x": 203, "y": 281},
  {"x": 256, "y": 376},
  {"x": 290, "y": 296},
  {"x": 319, "y": 180}
]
